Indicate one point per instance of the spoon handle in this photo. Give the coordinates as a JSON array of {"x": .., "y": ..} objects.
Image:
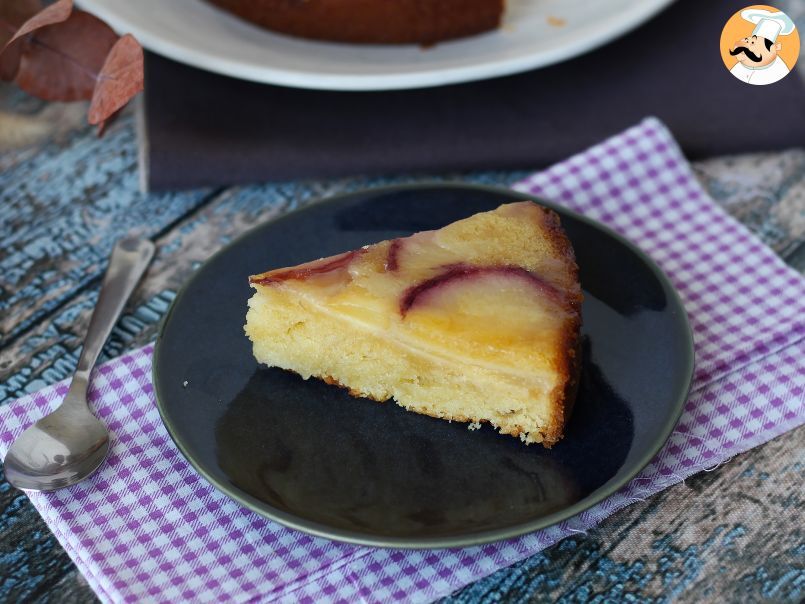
[{"x": 130, "y": 257}]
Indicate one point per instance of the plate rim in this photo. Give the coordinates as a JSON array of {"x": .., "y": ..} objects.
[
  {"x": 318, "y": 529},
  {"x": 592, "y": 37}
]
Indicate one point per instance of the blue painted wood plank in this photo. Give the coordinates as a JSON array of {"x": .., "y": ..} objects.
[
  {"x": 700, "y": 541},
  {"x": 60, "y": 214}
]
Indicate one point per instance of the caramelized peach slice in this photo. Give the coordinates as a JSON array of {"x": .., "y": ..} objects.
[
  {"x": 303, "y": 272},
  {"x": 486, "y": 308},
  {"x": 503, "y": 278},
  {"x": 418, "y": 256}
]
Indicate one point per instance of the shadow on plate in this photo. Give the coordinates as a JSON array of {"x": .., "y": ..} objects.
[{"x": 312, "y": 450}]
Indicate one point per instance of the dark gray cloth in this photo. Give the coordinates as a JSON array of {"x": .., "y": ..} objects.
[{"x": 205, "y": 129}]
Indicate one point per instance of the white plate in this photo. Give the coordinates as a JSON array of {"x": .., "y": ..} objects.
[{"x": 196, "y": 33}]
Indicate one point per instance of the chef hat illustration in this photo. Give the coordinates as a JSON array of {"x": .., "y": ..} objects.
[{"x": 769, "y": 25}]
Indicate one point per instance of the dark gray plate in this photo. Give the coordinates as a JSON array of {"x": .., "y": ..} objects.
[{"x": 313, "y": 458}]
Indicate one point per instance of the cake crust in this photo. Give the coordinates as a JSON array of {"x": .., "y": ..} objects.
[{"x": 570, "y": 369}]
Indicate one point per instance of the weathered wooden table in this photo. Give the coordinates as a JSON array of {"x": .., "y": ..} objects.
[{"x": 734, "y": 533}]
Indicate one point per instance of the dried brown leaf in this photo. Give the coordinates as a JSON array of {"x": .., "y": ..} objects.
[
  {"x": 54, "y": 13},
  {"x": 60, "y": 54},
  {"x": 62, "y": 62},
  {"x": 12, "y": 16},
  {"x": 121, "y": 78},
  {"x": 101, "y": 128}
]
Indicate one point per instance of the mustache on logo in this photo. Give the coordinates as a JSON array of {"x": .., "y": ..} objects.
[{"x": 743, "y": 49}]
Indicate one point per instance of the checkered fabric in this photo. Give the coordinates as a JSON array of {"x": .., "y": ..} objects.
[{"x": 146, "y": 527}]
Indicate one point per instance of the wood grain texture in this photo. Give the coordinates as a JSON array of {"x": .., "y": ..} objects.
[
  {"x": 29, "y": 124},
  {"x": 693, "y": 541},
  {"x": 59, "y": 221},
  {"x": 734, "y": 534},
  {"x": 32, "y": 563}
]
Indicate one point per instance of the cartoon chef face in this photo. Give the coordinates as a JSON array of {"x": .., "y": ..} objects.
[
  {"x": 755, "y": 51},
  {"x": 757, "y": 55}
]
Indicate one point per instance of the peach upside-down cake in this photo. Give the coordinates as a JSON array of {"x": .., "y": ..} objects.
[{"x": 475, "y": 322}]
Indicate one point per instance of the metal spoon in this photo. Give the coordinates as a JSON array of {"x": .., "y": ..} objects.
[{"x": 68, "y": 445}]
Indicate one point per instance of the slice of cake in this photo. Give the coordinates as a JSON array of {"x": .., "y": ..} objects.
[{"x": 477, "y": 322}]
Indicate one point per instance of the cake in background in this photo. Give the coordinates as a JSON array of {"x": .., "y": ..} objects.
[{"x": 371, "y": 21}]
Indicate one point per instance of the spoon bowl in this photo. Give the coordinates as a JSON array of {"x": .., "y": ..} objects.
[
  {"x": 68, "y": 445},
  {"x": 59, "y": 450}
]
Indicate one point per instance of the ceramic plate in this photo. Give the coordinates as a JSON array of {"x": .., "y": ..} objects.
[
  {"x": 313, "y": 458},
  {"x": 535, "y": 33}
]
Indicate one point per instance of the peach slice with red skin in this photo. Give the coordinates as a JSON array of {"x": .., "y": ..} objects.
[
  {"x": 420, "y": 293},
  {"x": 418, "y": 256},
  {"x": 505, "y": 309},
  {"x": 305, "y": 271},
  {"x": 393, "y": 255}
]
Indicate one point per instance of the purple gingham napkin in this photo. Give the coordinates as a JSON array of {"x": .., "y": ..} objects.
[{"x": 146, "y": 527}]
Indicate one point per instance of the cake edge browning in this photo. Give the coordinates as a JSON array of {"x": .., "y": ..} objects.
[{"x": 565, "y": 399}]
